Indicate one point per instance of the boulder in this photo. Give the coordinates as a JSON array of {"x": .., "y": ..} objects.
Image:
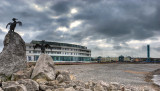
[
  {"x": 114, "y": 86},
  {"x": 19, "y": 87},
  {"x": 146, "y": 88},
  {"x": 70, "y": 84},
  {"x": 42, "y": 81},
  {"x": 59, "y": 89},
  {"x": 63, "y": 76},
  {"x": 13, "y": 55},
  {"x": 60, "y": 78},
  {"x": 44, "y": 68},
  {"x": 98, "y": 87},
  {"x": 4, "y": 78},
  {"x": 127, "y": 89},
  {"x": 61, "y": 85},
  {"x": 70, "y": 89},
  {"x": 9, "y": 83},
  {"x": 13, "y": 86},
  {"x": 52, "y": 83},
  {"x": 48, "y": 90},
  {"x": 45, "y": 87},
  {"x": 89, "y": 85},
  {"x": 79, "y": 88},
  {"x": 105, "y": 85},
  {"x": 31, "y": 85},
  {"x": 22, "y": 74},
  {"x": 1, "y": 89},
  {"x": 80, "y": 83},
  {"x": 88, "y": 90}
]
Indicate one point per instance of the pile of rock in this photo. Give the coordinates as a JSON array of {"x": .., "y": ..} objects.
[
  {"x": 16, "y": 76},
  {"x": 44, "y": 77}
]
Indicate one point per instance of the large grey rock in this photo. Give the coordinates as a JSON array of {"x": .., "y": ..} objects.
[
  {"x": 98, "y": 87},
  {"x": 70, "y": 89},
  {"x": 1, "y": 89},
  {"x": 19, "y": 87},
  {"x": 63, "y": 76},
  {"x": 13, "y": 86},
  {"x": 22, "y": 74},
  {"x": 4, "y": 78},
  {"x": 44, "y": 68},
  {"x": 42, "y": 81},
  {"x": 116, "y": 86},
  {"x": 31, "y": 85},
  {"x": 59, "y": 89},
  {"x": 45, "y": 87},
  {"x": 13, "y": 56},
  {"x": 9, "y": 83}
]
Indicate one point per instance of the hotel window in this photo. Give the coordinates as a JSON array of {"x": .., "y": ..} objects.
[
  {"x": 29, "y": 58},
  {"x": 29, "y": 51},
  {"x": 34, "y": 51}
]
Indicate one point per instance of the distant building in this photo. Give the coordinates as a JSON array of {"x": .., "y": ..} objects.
[
  {"x": 59, "y": 52},
  {"x": 116, "y": 59},
  {"x": 121, "y": 58}
]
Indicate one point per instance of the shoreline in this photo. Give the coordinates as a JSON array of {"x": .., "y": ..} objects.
[{"x": 149, "y": 77}]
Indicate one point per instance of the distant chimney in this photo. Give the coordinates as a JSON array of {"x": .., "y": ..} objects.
[{"x": 148, "y": 52}]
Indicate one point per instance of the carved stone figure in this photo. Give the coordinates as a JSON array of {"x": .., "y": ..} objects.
[
  {"x": 43, "y": 46},
  {"x": 13, "y": 24}
]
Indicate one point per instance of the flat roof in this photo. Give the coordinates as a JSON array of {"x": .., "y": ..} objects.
[{"x": 57, "y": 44}]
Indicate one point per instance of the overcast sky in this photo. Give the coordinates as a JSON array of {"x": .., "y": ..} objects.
[{"x": 107, "y": 27}]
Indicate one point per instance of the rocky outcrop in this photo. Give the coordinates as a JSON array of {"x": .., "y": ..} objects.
[
  {"x": 13, "y": 56},
  {"x": 22, "y": 74},
  {"x": 65, "y": 84},
  {"x": 31, "y": 85},
  {"x": 63, "y": 76},
  {"x": 13, "y": 86},
  {"x": 19, "y": 87},
  {"x": 44, "y": 68}
]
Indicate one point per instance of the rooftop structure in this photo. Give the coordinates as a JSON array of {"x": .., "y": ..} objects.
[{"x": 59, "y": 51}]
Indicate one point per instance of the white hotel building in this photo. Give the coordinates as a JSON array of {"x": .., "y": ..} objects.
[{"x": 59, "y": 52}]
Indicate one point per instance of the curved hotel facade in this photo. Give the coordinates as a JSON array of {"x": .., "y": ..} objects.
[{"x": 59, "y": 52}]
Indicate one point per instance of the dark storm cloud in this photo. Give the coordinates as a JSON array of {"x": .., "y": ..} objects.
[
  {"x": 61, "y": 7},
  {"x": 63, "y": 21},
  {"x": 121, "y": 21},
  {"x": 117, "y": 47},
  {"x": 29, "y": 16},
  {"x": 117, "y": 21}
]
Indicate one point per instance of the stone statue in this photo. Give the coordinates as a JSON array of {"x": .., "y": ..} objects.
[
  {"x": 43, "y": 46},
  {"x": 13, "y": 24}
]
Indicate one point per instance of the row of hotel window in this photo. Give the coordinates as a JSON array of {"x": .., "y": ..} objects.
[
  {"x": 68, "y": 49},
  {"x": 64, "y": 53},
  {"x": 61, "y": 58}
]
